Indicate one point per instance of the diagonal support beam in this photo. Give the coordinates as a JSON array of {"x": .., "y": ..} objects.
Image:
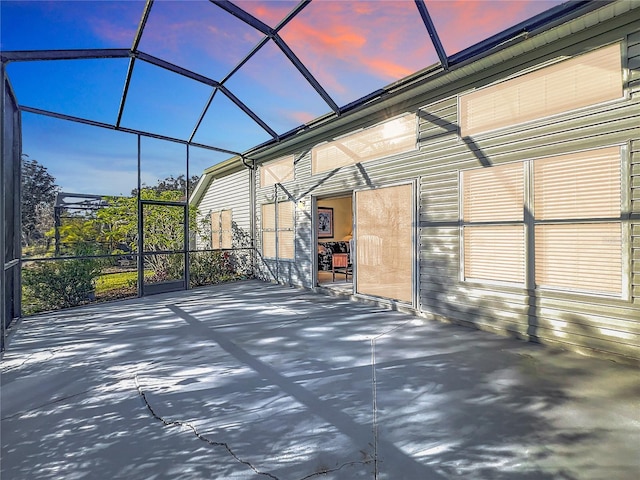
[
  {"x": 158, "y": 62},
  {"x": 244, "y": 16},
  {"x": 306, "y": 73},
  {"x": 272, "y": 33},
  {"x": 253, "y": 51},
  {"x": 248, "y": 111},
  {"x": 433, "y": 33},
  {"x": 204, "y": 112},
  {"x": 132, "y": 61},
  {"x": 108, "y": 126},
  {"x": 290, "y": 16}
]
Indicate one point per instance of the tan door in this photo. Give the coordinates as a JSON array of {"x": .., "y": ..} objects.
[{"x": 384, "y": 242}]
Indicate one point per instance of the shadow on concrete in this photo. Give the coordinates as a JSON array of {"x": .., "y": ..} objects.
[{"x": 297, "y": 386}]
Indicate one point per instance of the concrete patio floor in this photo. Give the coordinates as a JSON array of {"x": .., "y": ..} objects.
[{"x": 252, "y": 380}]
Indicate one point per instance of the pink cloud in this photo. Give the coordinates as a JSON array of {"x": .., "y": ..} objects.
[
  {"x": 269, "y": 12},
  {"x": 462, "y": 23},
  {"x": 110, "y": 31},
  {"x": 299, "y": 117},
  {"x": 376, "y": 39}
]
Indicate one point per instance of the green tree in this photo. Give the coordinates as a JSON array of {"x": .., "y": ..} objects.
[
  {"x": 171, "y": 183},
  {"x": 38, "y": 198},
  {"x": 163, "y": 229}
]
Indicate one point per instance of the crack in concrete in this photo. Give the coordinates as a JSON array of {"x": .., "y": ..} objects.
[
  {"x": 178, "y": 423},
  {"x": 213, "y": 443}
]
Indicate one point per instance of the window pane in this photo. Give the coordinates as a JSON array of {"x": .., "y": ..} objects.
[
  {"x": 581, "y": 81},
  {"x": 286, "y": 244},
  {"x": 215, "y": 229},
  {"x": 494, "y": 194},
  {"x": 384, "y": 242},
  {"x": 227, "y": 232},
  {"x": 494, "y": 253},
  {"x": 277, "y": 171},
  {"x": 269, "y": 244},
  {"x": 388, "y": 138},
  {"x": 285, "y": 215},
  {"x": 579, "y": 185},
  {"x": 583, "y": 257},
  {"x": 269, "y": 216}
]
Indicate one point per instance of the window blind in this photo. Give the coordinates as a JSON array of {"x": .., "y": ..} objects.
[
  {"x": 215, "y": 230},
  {"x": 277, "y": 171},
  {"x": 496, "y": 195},
  {"x": 269, "y": 230},
  {"x": 494, "y": 253},
  {"x": 580, "y": 185},
  {"x": 493, "y": 194},
  {"x": 574, "y": 188},
  {"x": 584, "y": 257},
  {"x": 388, "y": 138},
  {"x": 278, "y": 239},
  {"x": 584, "y": 80},
  {"x": 384, "y": 237},
  {"x": 285, "y": 230},
  {"x": 226, "y": 226}
]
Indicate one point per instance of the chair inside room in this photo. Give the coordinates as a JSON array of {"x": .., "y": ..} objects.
[{"x": 340, "y": 264}]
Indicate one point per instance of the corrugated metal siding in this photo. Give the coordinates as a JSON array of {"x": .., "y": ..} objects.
[
  {"x": 578, "y": 321},
  {"x": 633, "y": 61},
  {"x": 635, "y": 224},
  {"x": 230, "y": 193}
]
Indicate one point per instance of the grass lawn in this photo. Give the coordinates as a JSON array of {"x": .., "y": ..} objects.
[{"x": 115, "y": 281}]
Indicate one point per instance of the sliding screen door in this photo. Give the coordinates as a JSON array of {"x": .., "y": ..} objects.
[{"x": 384, "y": 242}]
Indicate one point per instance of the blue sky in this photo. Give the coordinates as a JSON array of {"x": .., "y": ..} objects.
[{"x": 351, "y": 47}]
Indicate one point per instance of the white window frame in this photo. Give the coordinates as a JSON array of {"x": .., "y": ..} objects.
[
  {"x": 530, "y": 223},
  {"x": 277, "y": 230}
]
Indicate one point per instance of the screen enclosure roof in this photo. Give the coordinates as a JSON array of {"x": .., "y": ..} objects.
[{"x": 238, "y": 76}]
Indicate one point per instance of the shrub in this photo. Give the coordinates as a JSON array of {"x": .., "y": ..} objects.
[
  {"x": 209, "y": 268},
  {"x": 57, "y": 284}
]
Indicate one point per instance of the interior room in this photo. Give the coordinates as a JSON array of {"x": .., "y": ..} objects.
[{"x": 335, "y": 240}]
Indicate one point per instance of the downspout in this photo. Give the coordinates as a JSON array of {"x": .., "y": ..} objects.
[{"x": 252, "y": 209}]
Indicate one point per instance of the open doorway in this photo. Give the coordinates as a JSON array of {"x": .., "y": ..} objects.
[{"x": 334, "y": 221}]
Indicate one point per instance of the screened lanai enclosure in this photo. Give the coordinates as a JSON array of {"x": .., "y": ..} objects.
[
  {"x": 113, "y": 125},
  {"x": 156, "y": 146}
]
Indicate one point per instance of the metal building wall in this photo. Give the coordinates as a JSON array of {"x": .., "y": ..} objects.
[
  {"x": 580, "y": 322},
  {"x": 231, "y": 192},
  {"x": 9, "y": 209}
]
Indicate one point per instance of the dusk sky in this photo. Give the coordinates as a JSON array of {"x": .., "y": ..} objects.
[{"x": 351, "y": 47}]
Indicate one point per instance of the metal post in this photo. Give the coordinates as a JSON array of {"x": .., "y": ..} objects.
[
  {"x": 3, "y": 193},
  {"x": 140, "y": 244},
  {"x": 187, "y": 255}
]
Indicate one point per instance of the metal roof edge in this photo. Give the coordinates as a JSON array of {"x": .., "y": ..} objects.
[
  {"x": 222, "y": 169},
  {"x": 427, "y": 80}
]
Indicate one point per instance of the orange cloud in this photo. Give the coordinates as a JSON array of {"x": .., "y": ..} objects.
[
  {"x": 462, "y": 23},
  {"x": 269, "y": 12},
  {"x": 299, "y": 117},
  {"x": 339, "y": 40},
  {"x": 387, "y": 68}
]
